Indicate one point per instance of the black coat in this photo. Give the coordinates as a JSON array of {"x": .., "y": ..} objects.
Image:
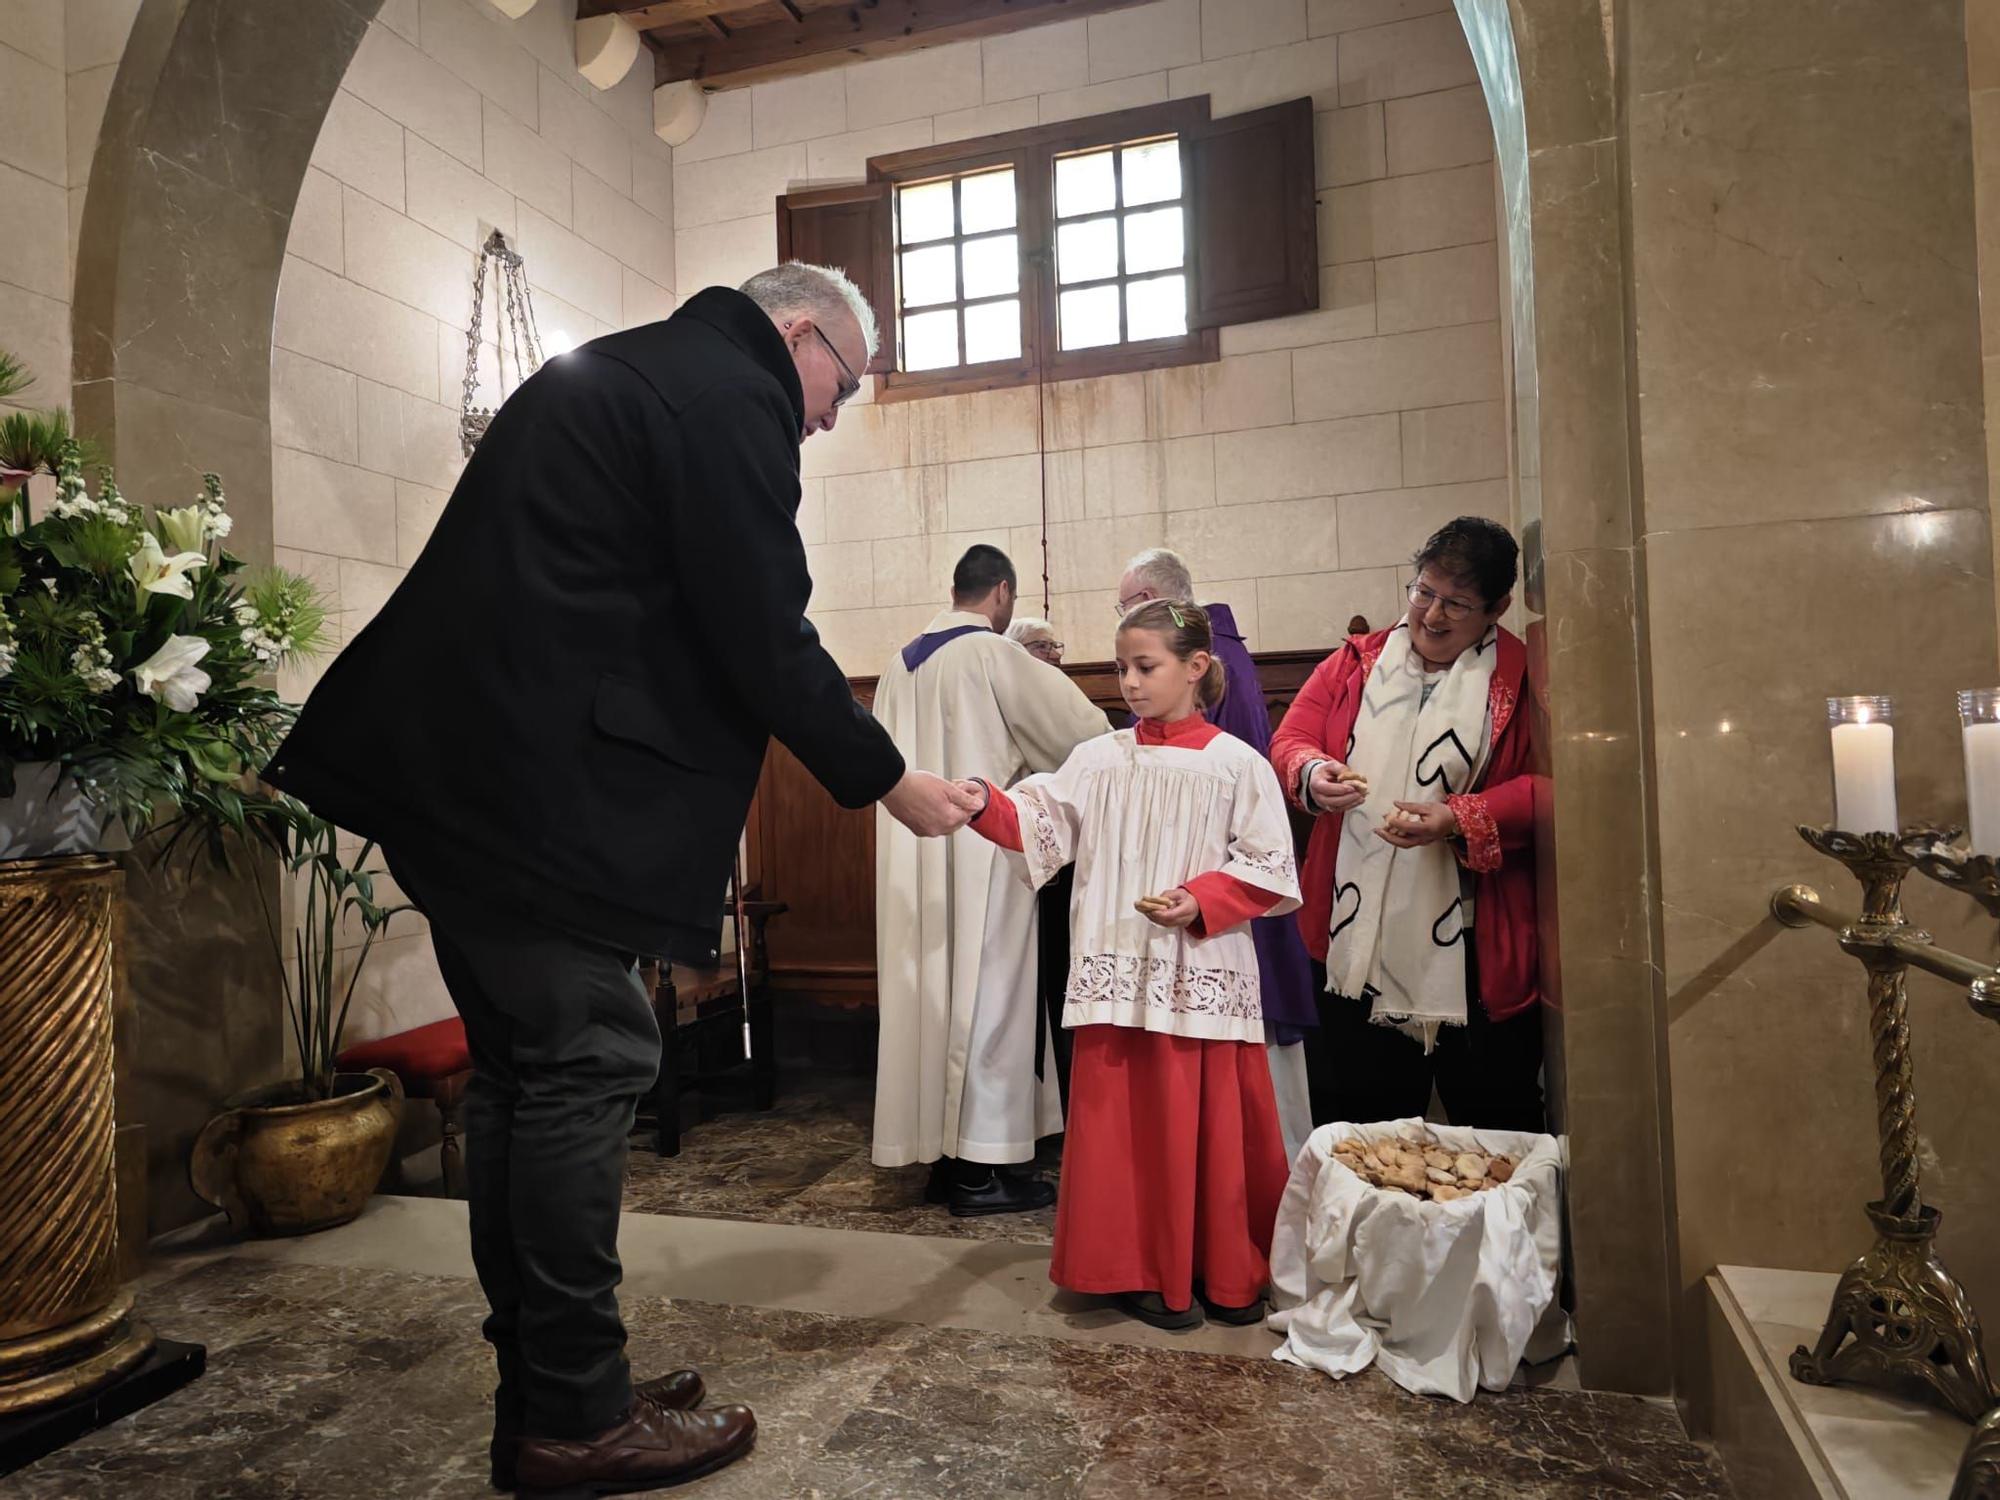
[{"x": 564, "y": 707}]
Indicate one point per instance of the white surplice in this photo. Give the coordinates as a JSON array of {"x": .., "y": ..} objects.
[
  {"x": 955, "y": 939},
  {"x": 1139, "y": 819}
]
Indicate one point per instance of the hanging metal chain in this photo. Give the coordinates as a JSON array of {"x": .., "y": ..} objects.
[{"x": 510, "y": 279}]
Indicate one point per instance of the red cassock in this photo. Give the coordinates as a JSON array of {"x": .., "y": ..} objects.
[{"x": 1173, "y": 1160}]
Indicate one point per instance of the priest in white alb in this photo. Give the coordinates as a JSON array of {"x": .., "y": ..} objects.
[{"x": 962, "y": 1081}]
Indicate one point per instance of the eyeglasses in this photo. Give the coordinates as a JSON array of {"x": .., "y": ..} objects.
[
  {"x": 1046, "y": 648},
  {"x": 1454, "y": 609},
  {"x": 850, "y": 382},
  {"x": 1125, "y": 607}
]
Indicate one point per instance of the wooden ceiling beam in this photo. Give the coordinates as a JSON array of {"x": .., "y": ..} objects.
[
  {"x": 840, "y": 34},
  {"x": 648, "y": 13}
]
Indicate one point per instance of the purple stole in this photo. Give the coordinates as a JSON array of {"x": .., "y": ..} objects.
[{"x": 924, "y": 647}]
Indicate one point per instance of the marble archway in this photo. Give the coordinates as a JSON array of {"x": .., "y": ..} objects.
[
  {"x": 1546, "y": 68},
  {"x": 210, "y": 123}
]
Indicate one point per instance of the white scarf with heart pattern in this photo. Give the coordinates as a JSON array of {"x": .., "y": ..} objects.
[{"x": 1398, "y": 914}]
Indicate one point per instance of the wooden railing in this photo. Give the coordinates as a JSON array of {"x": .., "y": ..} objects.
[{"x": 819, "y": 859}]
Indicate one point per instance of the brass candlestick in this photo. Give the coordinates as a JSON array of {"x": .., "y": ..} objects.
[
  {"x": 1977, "y": 876},
  {"x": 1900, "y": 1321}
]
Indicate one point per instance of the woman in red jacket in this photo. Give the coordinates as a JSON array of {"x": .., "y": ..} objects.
[{"x": 1419, "y": 882}]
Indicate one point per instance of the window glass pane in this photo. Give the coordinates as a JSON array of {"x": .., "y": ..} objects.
[
  {"x": 1087, "y": 251},
  {"x": 992, "y": 266},
  {"x": 993, "y": 331},
  {"x": 1090, "y": 317},
  {"x": 1084, "y": 184},
  {"x": 924, "y": 213},
  {"x": 1152, "y": 172},
  {"x": 930, "y": 340},
  {"x": 986, "y": 201},
  {"x": 1153, "y": 240},
  {"x": 1156, "y": 309},
  {"x": 928, "y": 276}
]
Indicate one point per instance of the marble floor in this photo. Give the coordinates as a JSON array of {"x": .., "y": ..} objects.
[
  {"x": 806, "y": 1162},
  {"x": 882, "y": 1364}
]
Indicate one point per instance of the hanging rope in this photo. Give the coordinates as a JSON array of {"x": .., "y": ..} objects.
[{"x": 1042, "y": 448}]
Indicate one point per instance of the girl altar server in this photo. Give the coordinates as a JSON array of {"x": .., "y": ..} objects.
[{"x": 1174, "y": 1162}]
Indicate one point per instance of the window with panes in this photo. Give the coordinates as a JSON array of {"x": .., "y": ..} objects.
[{"x": 1118, "y": 243}]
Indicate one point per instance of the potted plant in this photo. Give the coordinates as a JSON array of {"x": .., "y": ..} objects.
[
  {"x": 306, "y": 1154},
  {"x": 135, "y": 659}
]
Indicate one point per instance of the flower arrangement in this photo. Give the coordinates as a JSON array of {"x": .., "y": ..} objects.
[{"x": 134, "y": 653}]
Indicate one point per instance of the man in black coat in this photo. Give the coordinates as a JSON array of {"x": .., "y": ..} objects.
[{"x": 553, "y": 728}]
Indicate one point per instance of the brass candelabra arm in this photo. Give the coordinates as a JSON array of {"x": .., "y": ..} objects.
[
  {"x": 1879, "y": 861},
  {"x": 1941, "y": 858}
]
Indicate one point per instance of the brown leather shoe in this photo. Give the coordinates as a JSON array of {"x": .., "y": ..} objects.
[
  {"x": 678, "y": 1390},
  {"x": 653, "y": 1447}
]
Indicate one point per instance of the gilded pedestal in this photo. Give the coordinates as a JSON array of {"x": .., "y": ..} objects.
[{"x": 64, "y": 1326}]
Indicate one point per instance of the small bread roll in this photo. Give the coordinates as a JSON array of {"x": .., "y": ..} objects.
[
  {"x": 1469, "y": 1165},
  {"x": 1500, "y": 1169},
  {"x": 1444, "y": 1192},
  {"x": 1438, "y": 1174}
]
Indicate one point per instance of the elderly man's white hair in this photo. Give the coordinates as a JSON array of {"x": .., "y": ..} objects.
[
  {"x": 1164, "y": 573},
  {"x": 819, "y": 292},
  {"x": 1028, "y": 628}
]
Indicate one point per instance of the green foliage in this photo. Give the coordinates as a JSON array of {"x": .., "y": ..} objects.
[
  {"x": 14, "y": 376},
  {"x": 36, "y": 440}
]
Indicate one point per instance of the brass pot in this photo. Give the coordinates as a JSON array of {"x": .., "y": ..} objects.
[{"x": 281, "y": 1167}]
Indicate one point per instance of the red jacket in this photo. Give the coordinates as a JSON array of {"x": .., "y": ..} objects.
[{"x": 1498, "y": 818}]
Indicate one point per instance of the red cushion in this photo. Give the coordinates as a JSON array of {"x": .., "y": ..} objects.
[{"x": 419, "y": 1057}]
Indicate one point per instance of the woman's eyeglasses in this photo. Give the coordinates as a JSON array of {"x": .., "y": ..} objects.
[
  {"x": 1049, "y": 651},
  {"x": 1454, "y": 609}
]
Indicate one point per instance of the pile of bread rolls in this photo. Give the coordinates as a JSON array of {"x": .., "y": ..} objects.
[{"x": 1414, "y": 1162}]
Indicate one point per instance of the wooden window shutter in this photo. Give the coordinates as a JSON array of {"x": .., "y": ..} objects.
[
  {"x": 848, "y": 227},
  {"x": 1255, "y": 219}
]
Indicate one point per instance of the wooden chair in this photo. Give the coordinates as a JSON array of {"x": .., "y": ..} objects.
[{"x": 705, "y": 1019}]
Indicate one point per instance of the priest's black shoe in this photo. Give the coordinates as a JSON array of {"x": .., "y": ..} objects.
[
  {"x": 938, "y": 1189},
  {"x": 678, "y": 1390},
  {"x": 977, "y": 1190},
  {"x": 650, "y": 1448}
]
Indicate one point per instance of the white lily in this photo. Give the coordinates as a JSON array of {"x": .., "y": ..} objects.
[
  {"x": 185, "y": 528},
  {"x": 170, "y": 674},
  {"x": 156, "y": 573}
]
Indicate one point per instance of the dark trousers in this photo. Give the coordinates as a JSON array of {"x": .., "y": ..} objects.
[
  {"x": 1487, "y": 1073},
  {"x": 563, "y": 1045}
]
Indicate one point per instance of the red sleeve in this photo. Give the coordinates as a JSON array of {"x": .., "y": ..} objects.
[
  {"x": 1493, "y": 821},
  {"x": 999, "y": 821},
  {"x": 1298, "y": 738},
  {"x": 1225, "y": 901}
]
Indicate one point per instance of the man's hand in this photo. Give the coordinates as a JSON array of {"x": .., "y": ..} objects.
[
  {"x": 1414, "y": 824},
  {"x": 1175, "y": 909},
  {"x": 929, "y": 805},
  {"x": 977, "y": 791},
  {"x": 1336, "y": 788}
]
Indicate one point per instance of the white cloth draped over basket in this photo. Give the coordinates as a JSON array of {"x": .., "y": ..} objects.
[{"x": 1446, "y": 1297}]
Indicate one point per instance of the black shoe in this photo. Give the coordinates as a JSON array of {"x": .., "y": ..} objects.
[
  {"x": 1151, "y": 1307},
  {"x": 998, "y": 1190},
  {"x": 938, "y": 1189},
  {"x": 1222, "y": 1312}
]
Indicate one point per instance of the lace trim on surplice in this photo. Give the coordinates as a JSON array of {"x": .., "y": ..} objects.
[{"x": 1120, "y": 979}]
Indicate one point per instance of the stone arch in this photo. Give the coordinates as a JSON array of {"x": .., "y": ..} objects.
[{"x": 211, "y": 120}]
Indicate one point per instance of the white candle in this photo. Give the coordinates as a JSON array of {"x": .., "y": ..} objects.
[
  {"x": 1982, "y": 786},
  {"x": 1864, "y": 777}
]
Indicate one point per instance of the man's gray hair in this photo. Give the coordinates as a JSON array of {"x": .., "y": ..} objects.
[
  {"x": 1164, "y": 573},
  {"x": 819, "y": 292},
  {"x": 1028, "y": 628}
]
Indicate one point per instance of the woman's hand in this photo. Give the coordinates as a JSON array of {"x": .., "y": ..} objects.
[
  {"x": 977, "y": 790},
  {"x": 1336, "y": 788},
  {"x": 1175, "y": 909},
  {"x": 1414, "y": 824}
]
